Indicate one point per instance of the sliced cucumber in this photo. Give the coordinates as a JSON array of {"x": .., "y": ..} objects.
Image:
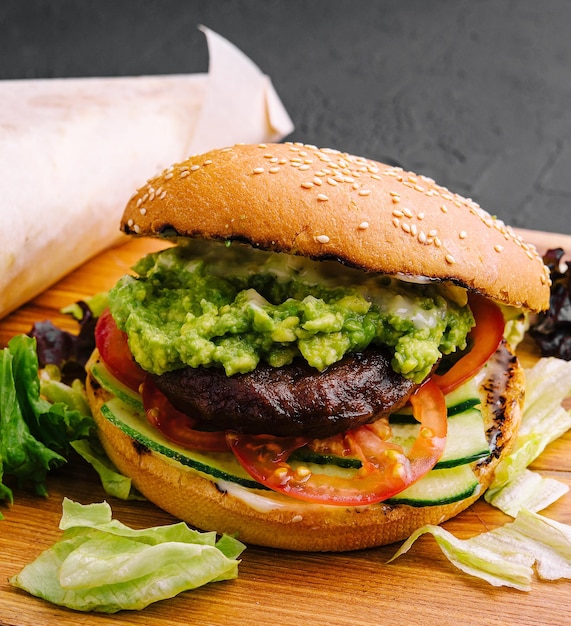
[
  {"x": 466, "y": 440},
  {"x": 106, "y": 379},
  {"x": 214, "y": 464},
  {"x": 465, "y": 443},
  {"x": 441, "y": 486}
]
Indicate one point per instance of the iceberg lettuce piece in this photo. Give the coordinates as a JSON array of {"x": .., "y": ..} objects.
[
  {"x": 508, "y": 555},
  {"x": 102, "y": 565},
  {"x": 528, "y": 490},
  {"x": 548, "y": 383}
]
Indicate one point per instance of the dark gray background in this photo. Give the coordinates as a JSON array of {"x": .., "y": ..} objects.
[{"x": 476, "y": 94}]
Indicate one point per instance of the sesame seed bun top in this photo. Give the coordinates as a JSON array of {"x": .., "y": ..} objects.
[{"x": 323, "y": 203}]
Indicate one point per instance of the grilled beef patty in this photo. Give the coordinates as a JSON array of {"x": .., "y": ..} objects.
[{"x": 290, "y": 400}]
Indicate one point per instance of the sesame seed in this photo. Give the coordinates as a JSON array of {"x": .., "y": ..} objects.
[
  {"x": 437, "y": 242},
  {"x": 163, "y": 195},
  {"x": 169, "y": 176},
  {"x": 363, "y": 225},
  {"x": 407, "y": 212},
  {"x": 396, "y": 222},
  {"x": 398, "y": 213},
  {"x": 462, "y": 234},
  {"x": 184, "y": 173},
  {"x": 322, "y": 197},
  {"x": 139, "y": 202},
  {"x": 498, "y": 248},
  {"x": 143, "y": 210},
  {"x": 258, "y": 170},
  {"x": 207, "y": 162},
  {"x": 396, "y": 199},
  {"x": 406, "y": 227},
  {"x": 317, "y": 181},
  {"x": 274, "y": 170},
  {"x": 307, "y": 185},
  {"x": 444, "y": 208},
  {"x": 303, "y": 168},
  {"x": 194, "y": 168},
  {"x": 137, "y": 228},
  {"x": 268, "y": 156},
  {"x": 413, "y": 229},
  {"x": 420, "y": 216},
  {"x": 364, "y": 192},
  {"x": 331, "y": 181},
  {"x": 422, "y": 237},
  {"x": 322, "y": 239},
  {"x": 320, "y": 173},
  {"x": 262, "y": 145},
  {"x": 130, "y": 223},
  {"x": 450, "y": 259}
]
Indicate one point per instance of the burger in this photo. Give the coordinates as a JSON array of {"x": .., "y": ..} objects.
[{"x": 317, "y": 358}]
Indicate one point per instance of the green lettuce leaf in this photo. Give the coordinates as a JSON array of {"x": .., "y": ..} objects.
[
  {"x": 23, "y": 456},
  {"x": 114, "y": 483},
  {"x": 35, "y": 430},
  {"x": 509, "y": 555},
  {"x": 548, "y": 383},
  {"x": 102, "y": 565}
]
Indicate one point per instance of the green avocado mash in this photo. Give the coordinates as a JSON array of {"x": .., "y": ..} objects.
[{"x": 207, "y": 304}]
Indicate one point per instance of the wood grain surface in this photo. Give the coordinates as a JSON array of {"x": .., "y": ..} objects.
[{"x": 276, "y": 587}]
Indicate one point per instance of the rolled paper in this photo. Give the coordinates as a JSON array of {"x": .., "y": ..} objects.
[{"x": 73, "y": 151}]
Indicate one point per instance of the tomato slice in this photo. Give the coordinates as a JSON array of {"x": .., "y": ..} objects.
[
  {"x": 484, "y": 338},
  {"x": 114, "y": 350},
  {"x": 177, "y": 426},
  {"x": 386, "y": 469}
]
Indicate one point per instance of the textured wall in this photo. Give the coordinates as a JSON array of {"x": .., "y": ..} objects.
[{"x": 476, "y": 94}]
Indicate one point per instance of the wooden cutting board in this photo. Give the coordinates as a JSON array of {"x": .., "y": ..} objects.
[{"x": 276, "y": 587}]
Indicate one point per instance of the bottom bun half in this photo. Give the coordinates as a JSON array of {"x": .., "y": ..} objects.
[{"x": 273, "y": 520}]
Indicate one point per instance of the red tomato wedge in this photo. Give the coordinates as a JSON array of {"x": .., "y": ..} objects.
[
  {"x": 484, "y": 339},
  {"x": 114, "y": 350},
  {"x": 177, "y": 426},
  {"x": 385, "y": 470}
]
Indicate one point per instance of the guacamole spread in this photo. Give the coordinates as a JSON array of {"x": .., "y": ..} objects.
[{"x": 230, "y": 306}]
